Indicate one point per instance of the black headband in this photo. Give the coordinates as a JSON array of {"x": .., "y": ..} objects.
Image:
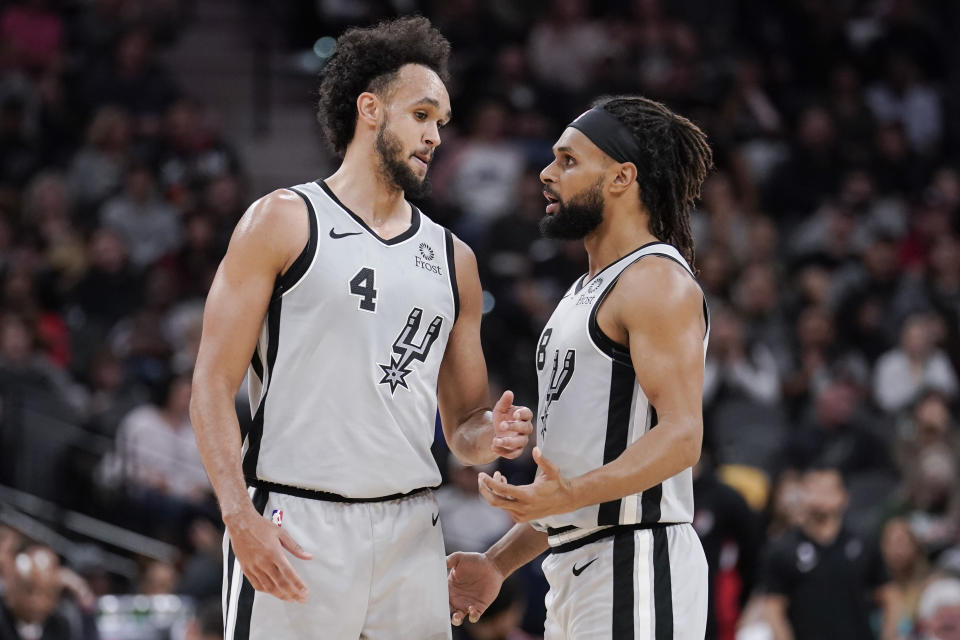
[{"x": 608, "y": 133}]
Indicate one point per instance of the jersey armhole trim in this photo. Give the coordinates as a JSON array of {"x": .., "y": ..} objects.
[
  {"x": 610, "y": 347},
  {"x": 286, "y": 282},
  {"x": 452, "y": 269}
]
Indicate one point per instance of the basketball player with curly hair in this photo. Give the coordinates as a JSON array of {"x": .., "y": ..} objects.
[{"x": 355, "y": 317}]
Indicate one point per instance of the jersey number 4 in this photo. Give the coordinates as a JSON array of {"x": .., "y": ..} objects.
[{"x": 362, "y": 285}]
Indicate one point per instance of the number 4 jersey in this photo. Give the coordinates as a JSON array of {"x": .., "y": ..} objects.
[
  {"x": 592, "y": 407},
  {"x": 343, "y": 382}
]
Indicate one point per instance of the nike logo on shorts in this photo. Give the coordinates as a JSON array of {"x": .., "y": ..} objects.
[
  {"x": 337, "y": 236},
  {"x": 577, "y": 571},
  {"x": 435, "y": 518}
]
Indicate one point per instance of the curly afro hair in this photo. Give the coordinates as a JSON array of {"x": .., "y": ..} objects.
[
  {"x": 368, "y": 59},
  {"x": 675, "y": 159}
]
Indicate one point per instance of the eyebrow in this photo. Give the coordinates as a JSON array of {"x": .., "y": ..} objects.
[
  {"x": 433, "y": 102},
  {"x": 563, "y": 149}
]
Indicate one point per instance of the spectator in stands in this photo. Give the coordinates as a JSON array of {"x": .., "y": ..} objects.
[
  {"x": 908, "y": 568},
  {"x": 158, "y": 578},
  {"x": 110, "y": 289},
  {"x": 97, "y": 169},
  {"x": 730, "y": 533},
  {"x": 817, "y": 578},
  {"x": 741, "y": 389},
  {"x": 915, "y": 365},
  {"x": 156, "y": 451},
  {"x": 30, "y": 597},
  {"x": 929, "y": 500},
  {"x": 149, "y": 226},
  {"x": 939, "y": 610}
]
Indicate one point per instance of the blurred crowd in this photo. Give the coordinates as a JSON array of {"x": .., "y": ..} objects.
[{"x": 827, "y": 240}]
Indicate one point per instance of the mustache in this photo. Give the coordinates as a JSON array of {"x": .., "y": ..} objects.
[{"x": 551, "y": 192}]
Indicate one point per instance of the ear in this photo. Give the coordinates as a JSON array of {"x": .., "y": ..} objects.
[
  {"x": 624, "y": 177},
  {"x": 369, "y": 109}
]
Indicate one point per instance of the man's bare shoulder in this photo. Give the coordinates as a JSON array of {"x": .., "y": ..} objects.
[
  {"x": 659, "y": 287},
  {"x": 276, "y": 223}
]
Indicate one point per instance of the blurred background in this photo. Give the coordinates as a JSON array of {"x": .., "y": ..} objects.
[{"x": 134, "y": 133}]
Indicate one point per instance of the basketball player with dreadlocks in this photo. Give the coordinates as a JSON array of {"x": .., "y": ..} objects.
[{"x": 620, "y": 367}]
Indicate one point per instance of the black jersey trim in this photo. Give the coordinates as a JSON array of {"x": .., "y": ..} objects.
[
  {"x": 662, "y": 587},
  {"x": 257, "y": 364},
  {"x": 301, "y": 265},
  {"x": 241, "y": 630},
  {"x": 650, "y": 509},
  {"x": 255, "y": 435},
  {"x": 406, "y": 235},
  {"x": 607, "y": 532},
  {"x": 452, "y": 268},
  {"x": 555, "y": 531},
  {"x": 607, "y": 345},
  {"x": 624, "y": 553},
  {"x": 326, "y": 496},
  {"x": 620, "y": 401},
  {"x": 582, "y": 282}
]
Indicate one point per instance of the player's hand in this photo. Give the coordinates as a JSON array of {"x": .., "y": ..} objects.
[
  {"x": 473, "y": 582},
  {"x": 512, "y": 426},
  {"x": 259, "y": 546},
  {"x": 549, "y": 494}
]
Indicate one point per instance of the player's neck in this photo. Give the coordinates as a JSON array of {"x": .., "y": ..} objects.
[
  {"x": 620, "y": 233},
  {"x": 359, "y": 185}
]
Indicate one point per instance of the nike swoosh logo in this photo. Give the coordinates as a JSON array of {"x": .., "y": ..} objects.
[
  {"x": 577, "y": 571},
  {"x": 337, "y": 236},
  {"x": 437, "y": 517}
]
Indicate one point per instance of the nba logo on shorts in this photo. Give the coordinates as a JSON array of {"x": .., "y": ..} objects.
[{"x": 277, "y": 517}]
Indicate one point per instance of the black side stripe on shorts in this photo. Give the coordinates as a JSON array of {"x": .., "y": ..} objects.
[
  {"x": 650, "y": 499},
  {"x": 241, "y": 631},
  {"x": 662, "y": 587},
  {"x": 623, "y": 578},
  {"x": 622, "y": 380}
]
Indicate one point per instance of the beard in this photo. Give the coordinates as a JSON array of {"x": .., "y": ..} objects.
[
  {"x": 393, "y": 165},
  {"x": 575, "y": 219}
]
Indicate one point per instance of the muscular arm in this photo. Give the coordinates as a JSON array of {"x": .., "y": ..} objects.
[
  {"x": 664, "y": 329},
  {"x": 463, "y": 392},
  {"x": 266, "y": 242}
]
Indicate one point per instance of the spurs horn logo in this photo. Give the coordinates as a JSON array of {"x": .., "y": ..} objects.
[{"x": 406, "y": 351}]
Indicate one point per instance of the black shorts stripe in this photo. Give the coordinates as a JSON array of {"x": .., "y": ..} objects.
[
  {"x": 256, "y": 427},
  {"x": 452, "y": 269},
  {"x": 229, "y": 570},
  {"x": 241, "y": 631},
  {"x": 622, "y": 382},
  {"x": 662, "y": 588},
  {"x": 650, "y": 499},
  {"x": 623, "y": 578}
]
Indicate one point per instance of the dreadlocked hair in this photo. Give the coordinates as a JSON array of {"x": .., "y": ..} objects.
[
  {"x": 368, "y": 59},
  {"x": 674, "y": 160}
]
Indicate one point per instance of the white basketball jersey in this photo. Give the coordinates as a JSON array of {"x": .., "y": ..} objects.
[
  {"x": 592, "y": 407},
  {"x": 343, "y": 382}
]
